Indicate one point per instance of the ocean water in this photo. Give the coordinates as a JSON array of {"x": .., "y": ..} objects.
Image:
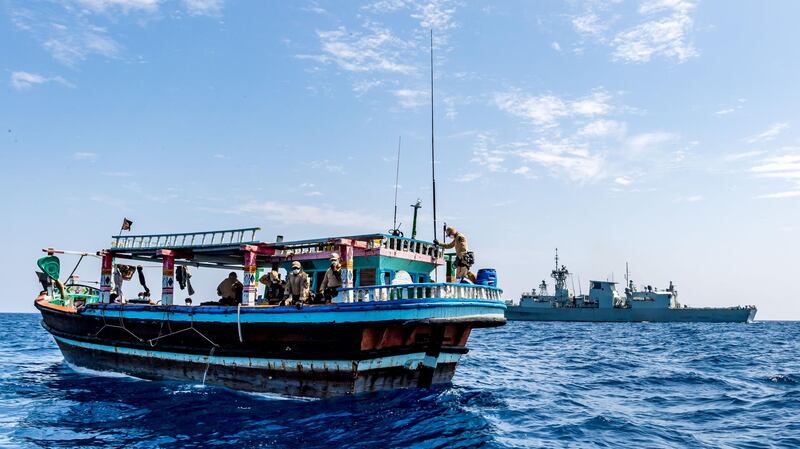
[{"x": 522, "y": 385}]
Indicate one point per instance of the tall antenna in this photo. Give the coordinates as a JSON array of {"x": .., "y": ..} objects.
[
  {"x": 396, "y": 231},
  {"x": 433, "y": 151}
]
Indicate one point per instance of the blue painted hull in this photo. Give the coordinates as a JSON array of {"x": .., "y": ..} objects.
[{"x": 684, "y": 315}]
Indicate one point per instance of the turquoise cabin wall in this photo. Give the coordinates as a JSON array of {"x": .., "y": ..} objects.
[{"x": 420, "y": 271}]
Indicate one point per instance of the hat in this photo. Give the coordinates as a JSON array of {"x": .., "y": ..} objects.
[
  {"x": 334, "y": 256},
  {"x": 450, "y": 230},
  {"x": 296, "y": 264}
]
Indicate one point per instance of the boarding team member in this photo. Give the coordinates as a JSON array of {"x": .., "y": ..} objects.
[
  {"x": 297, "y": 285},
  {"x": 332, "y": 280},
  {"x": 464, "y": 257},
  {"x": 230, "y": 290},
  {"x": 272, "y": 283}
]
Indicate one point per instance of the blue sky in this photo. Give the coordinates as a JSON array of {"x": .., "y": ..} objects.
[{"x": 662, "y": 133}]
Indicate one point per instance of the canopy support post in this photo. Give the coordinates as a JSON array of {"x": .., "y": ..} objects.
[
  {"x": 346, "y": 254},
  {"x": 106, "y": 270},
  {"x": 249, "y": 291},
  {"x": 167, "y": 276}
]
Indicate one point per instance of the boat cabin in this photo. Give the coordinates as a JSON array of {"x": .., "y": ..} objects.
[{"x": 374, "y": 266}]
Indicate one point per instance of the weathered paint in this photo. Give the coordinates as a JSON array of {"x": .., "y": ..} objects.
[
  {"x": 167, "y": 276},
  {"x": 106, "y": 269},
  {"x": 422, "y": 309},
  {"x": 408, "y": 361},
  {"x": 249, "y": 291}
]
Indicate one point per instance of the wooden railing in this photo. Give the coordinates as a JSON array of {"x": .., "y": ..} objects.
[
  {"x": 418, "y": 291},
  {"x": 187, "y": 239}
]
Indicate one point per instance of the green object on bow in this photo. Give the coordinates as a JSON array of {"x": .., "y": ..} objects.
[{"x": 50, "y": 265}]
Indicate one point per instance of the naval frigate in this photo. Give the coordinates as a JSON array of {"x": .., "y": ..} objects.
[{"x": 605, "y": 303}]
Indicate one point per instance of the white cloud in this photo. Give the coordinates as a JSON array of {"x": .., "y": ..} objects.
[
  {"x": 69, "y": 29},
  {"x": 785, "y": 167},
  {"x": 546, "y": 110},
  {"x": 26, "y": 80},
  {"x": 646, "y": 141},
  {"x": 623, "y": 181},
  {"x": 204, "y": 7},
  {"x": 668, "y": 35},
  {"x": 555, "y": 46},
  {"x": 743, "y": 155},
  {"x": 84, "y": 156},
  {"x": 483, "y": 154},
  {"x": 124, "y": 6},
  {"x": 292, "y": 213},
  {"x": 769, "y": 134},
  {"x": 603, "y": 128},
  {"x": 575, "y": 165},
  {"x": 725, "y": 111},
  {"x": 376, "y": 50},
  {"x": 589, "y": 24},
  {"x": 786, "y": 194},
  {"x": 412, "y": 98},
  {"x": 467, "y": 177}
]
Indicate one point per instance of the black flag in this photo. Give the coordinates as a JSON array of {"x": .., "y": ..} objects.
[{"x": 126, "y": 224}]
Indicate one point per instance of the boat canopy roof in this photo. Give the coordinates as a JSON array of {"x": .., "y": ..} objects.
[{"x": 226, "y": 248}]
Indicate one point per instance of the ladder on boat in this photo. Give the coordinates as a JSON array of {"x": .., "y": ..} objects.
[{"x": 225, "y": 237}]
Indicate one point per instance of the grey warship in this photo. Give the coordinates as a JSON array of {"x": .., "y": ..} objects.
[{"x": 605, "y": 304}]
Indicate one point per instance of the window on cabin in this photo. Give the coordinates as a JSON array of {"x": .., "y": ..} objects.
[
  {"x": 596, "y": 286},
  {"x": 387, "y": 278},
  {"x": 367, "y": 277}
]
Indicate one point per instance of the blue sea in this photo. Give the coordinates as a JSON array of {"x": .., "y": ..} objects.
[{"x": 523, "y": 385}]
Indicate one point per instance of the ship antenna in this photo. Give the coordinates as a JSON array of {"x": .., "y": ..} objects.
[
  {"x": 395, "y": 231},
  {"x": 433, "y": 155}
]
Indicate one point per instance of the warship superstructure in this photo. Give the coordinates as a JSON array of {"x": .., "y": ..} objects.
[{"x": 605, "y": 303}]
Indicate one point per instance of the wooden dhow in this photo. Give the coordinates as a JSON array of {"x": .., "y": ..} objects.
[{"x": 390, "y": 326}]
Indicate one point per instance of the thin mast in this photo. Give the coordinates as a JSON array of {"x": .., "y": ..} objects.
[
  {"x": 396, "y": 181},
  {"x": 433, "y": 150}
]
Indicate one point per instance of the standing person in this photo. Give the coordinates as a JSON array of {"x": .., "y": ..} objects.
[
  {"x": 332, "y": 280},
  {"x": 464, "y": 257},
  {"x": 272, "y": 283},
  {"x": 230, "y": 290},
  {"x": 297, "y": 285}
]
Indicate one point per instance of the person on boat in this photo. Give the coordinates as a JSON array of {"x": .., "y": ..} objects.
[
  {"x": 297, "y": 285},
  {"x": 230, "y": 290},
  {"x": 332, "y": 280},
  {"x": 272, "y": 283},
  {"x": 464, "y": 257}
]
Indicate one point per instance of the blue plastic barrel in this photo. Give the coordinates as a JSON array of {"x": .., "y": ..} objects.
[{"x": 487, "y": 276}]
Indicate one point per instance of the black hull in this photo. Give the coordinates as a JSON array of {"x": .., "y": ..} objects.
[
  {"x": 307, "y": 384},
  {"x": 316, "y": 360}
]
